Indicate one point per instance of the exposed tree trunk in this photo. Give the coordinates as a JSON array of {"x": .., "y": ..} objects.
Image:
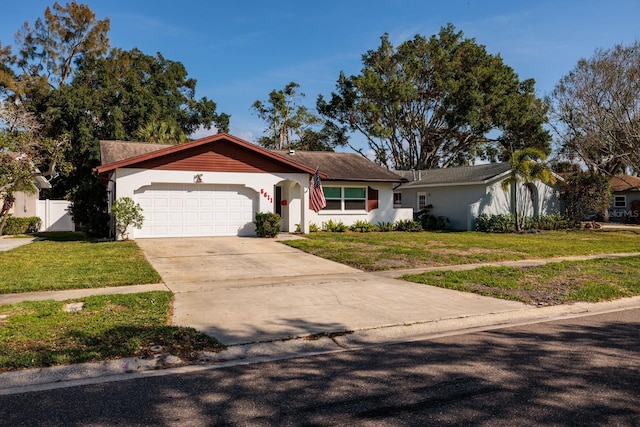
[{"x": 7, "y": 204}]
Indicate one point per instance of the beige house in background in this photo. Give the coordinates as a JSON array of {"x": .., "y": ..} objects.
[{"x": 26, "y": 205}]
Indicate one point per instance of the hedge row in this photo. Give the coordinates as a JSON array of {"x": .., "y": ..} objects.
[
  {"x": 16, "y": 225},
  {"x": 506, "y": 223}
]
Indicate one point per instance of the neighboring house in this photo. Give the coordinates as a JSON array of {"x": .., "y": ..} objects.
[
  {"x": 461, "y": 194},
  {"x": 215, "y": 185},
  {"x": 26, "y": 205},
  {"x": 625, "y": 203},
  {"x": 54, "y": 214}
]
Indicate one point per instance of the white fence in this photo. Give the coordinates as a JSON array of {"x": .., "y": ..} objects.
[{"x": 55, "y": 215}]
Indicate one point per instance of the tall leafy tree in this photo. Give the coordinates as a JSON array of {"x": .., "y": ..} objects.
[
  {"x": 291, "y": 125},
  {"x": 527, "y": 166},
  {"x": 596, "y": 110},
  {"x": 49, "y": 51},
  {"x": 125, "y": 95},
  {"x": 437, "y": 102},
  {"x": 65, "y": 72},
  {"x": 586, "y": 193}
]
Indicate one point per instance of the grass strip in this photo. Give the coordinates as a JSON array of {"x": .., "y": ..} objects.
[
  {"x": 551, "y": 284},
  {"x": 73, "y": 262},
  {"x": 401, "y": 250},
  {"x": 38, "y": 334}
]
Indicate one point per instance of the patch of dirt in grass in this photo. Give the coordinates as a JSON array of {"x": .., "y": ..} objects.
[
  {"x": 364, "y": 247},
  {"x": 535, "y": 291},
  {"x": 553, "y": 294},
  {"x": 388, "y": 263},
  {"x": 471, "y": 251}
]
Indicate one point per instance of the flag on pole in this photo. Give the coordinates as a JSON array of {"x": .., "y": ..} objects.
[{"x": 316, "y": 195}]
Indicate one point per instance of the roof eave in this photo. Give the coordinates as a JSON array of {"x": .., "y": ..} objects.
[{"x": 180, "y": 147}]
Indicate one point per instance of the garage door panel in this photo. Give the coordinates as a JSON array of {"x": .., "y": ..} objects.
[{"x": 174, "y": 210}]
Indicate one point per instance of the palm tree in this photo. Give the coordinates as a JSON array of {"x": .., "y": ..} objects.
[
  {"x": 527, "y": 166},
  {"x": 161, "y": 132}
]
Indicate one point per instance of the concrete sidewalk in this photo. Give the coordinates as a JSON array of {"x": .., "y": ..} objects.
[{"x": 8, "y": 243}]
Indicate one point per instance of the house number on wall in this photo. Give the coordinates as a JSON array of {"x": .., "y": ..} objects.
[{"x": 265, "y": 194}]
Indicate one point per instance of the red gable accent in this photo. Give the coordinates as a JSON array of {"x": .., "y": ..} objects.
[{"x": 217, "y": 153}]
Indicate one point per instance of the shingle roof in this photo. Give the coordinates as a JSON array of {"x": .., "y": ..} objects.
[
  {"x": 625, "y": 183},
  {"x": 331, "y": 165},
  {"x": 114, "y": 151},
  {"x": 456, "y": 175},
  {"x": 343, "y": 166}
]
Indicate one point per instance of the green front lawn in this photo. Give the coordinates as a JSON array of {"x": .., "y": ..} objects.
[
  {"x": 402, "y": 250},
  {"x": 37, "y": 334},
  {"x": 554, "y": 283},
  {"x": 72, "y": 261}
]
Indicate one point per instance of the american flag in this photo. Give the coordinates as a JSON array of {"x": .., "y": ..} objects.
[{"x": 316, "y": 196}]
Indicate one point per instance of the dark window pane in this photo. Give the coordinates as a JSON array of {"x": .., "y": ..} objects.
[
  {"x": 354, "y": 205},
  {"x": 333, "y": 205}
]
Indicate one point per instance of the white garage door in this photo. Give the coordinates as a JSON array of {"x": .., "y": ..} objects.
[{"x": 190, "y": 210}]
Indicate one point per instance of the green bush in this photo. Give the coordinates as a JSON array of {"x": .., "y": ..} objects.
[
  {"x": 336, "y": 227},
  {"x": 16, "y": 225},
  {"x": 502, "y": 223},
  {"x": 550, "y": 222},
  {"x": 313, "y": 228},
  {"x": 407, "y": 225},
  {"x": 267, "y": 224},
  {"x": 363, "y": 226},
  {"x": 505, "y": 223},
  {"x": 430, "y": 222},
  {"x": 126, "y": 213},
  {"x": 385, "y": 226}
]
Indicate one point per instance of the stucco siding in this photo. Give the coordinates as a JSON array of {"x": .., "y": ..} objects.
[
  {"x": 384, "y": 213},
  {"x": 449, "y": 201},
  {"x": 462, "y": 204},
  {"x": 25, "y": 205}
]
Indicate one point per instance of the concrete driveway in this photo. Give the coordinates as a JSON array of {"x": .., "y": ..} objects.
[{"x": 247, "y": 290}]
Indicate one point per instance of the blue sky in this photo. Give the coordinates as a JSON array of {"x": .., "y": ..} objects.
[{"x": 239, "y": 51}]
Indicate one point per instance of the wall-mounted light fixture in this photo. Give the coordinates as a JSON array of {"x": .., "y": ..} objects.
[{"x": 197, "y": 178}]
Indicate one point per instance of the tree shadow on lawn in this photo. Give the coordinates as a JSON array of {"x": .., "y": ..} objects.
[
  {"x": 79, "y": 346},
  {"x": 67, "y": 236}
]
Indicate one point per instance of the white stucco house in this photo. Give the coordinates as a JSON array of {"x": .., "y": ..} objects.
[
  {"x": 461, "y": 194},
  {"x": 215, "y": 185}
]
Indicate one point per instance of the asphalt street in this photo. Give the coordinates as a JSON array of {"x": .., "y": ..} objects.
[{"x": 579, "y": 371}]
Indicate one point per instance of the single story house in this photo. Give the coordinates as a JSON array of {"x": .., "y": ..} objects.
[
  {"x": 625, "y": 203},
  {"x": 215, "y": 185},
  {"x": 461, "y": 194},
  {"x": 25, "y": 204}
]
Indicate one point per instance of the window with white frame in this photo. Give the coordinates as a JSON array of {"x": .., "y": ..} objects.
[
  {"x": 620, "y": 202},
  {"x": 397, "y": 200},
  {"x": 345, "y": 198},
  {"x": 422, "y": 201}
]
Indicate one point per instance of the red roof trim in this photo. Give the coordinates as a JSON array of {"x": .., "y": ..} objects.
[{"x": 206, "y": 140}]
